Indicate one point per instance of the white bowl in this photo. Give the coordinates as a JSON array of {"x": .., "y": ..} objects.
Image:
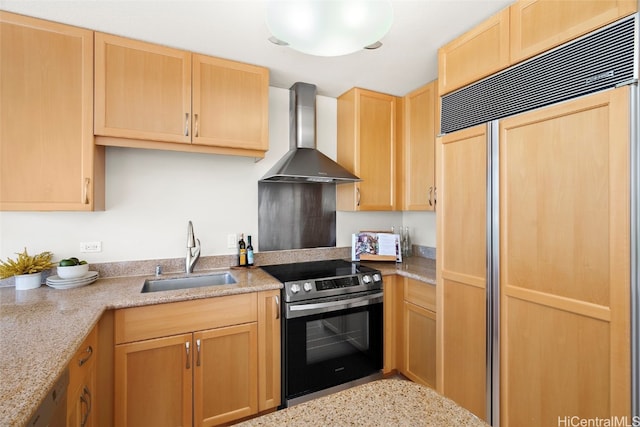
[{"x": 73, "y": 271}]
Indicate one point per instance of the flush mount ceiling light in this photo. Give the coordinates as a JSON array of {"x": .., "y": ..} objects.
[{"x": 329, "y": 27}]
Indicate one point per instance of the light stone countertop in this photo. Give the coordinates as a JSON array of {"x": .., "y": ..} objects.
[
  {"x": 40, "y": 329},
  {"x": 387, "y": 402}
]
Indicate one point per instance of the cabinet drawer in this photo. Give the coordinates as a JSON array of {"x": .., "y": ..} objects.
[
  {"x": 420, "y": 293},
  {"x": 83, "y": 359},
  {"x": 153, "y": 321}
]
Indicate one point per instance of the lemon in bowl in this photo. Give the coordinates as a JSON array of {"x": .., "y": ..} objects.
[{"x": 72, "y": 268}]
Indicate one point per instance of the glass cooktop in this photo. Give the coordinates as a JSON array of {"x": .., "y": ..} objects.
[{"x": 315, "y": 270}]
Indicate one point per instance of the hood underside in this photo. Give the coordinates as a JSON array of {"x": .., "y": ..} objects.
[{"x": 303, "y": 163}]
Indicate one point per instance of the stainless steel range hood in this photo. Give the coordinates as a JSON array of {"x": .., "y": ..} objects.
[{"x": 304, "y": 163}]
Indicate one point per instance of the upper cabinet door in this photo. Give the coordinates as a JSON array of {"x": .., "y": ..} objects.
[
  {"x": 47, "y": 157},
  {"x": 367, "y": 148},
  {"x": 230, "y": 104},
  {"x": 417, "y": 179},
  {"x": 478, "y": 53},
  {"x": 143, "y": 90},
  {"x": 539, "y": 25}
]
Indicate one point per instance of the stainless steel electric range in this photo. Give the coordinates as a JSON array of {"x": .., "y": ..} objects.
[{"x": 332, "y": 327}]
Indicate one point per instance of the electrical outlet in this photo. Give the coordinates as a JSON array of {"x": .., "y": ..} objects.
[
  {"x": 232, "y": 241},
  {"x": 90, "y": 246}
]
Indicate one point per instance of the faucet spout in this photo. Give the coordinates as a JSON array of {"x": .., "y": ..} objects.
[{"x": 193, "y": 249}]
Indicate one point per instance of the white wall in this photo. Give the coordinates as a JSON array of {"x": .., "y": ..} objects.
[{"x": 150, "y": 196}]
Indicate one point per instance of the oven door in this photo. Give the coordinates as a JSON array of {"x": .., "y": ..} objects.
[{"x": 329, "y": 342}]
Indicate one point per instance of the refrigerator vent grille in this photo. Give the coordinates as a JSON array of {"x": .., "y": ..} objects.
[{"x": 599, "y": 60}]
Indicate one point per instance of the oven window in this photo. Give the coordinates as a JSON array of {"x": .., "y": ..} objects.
[
  {"x": 337, "y": 336},
  {"x": 328, "y": 349}
]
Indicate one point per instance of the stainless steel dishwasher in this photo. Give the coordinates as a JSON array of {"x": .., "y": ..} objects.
[{"x": 52, "y": 412}]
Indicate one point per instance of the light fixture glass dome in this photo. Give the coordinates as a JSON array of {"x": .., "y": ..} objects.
[{"x": 329, "y": 27}]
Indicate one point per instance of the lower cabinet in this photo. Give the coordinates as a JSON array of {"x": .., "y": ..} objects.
[
  {"x": 81, "y": 399},
  {"x": 419, "y": 332},
  {"x": 204, "y": 375}
]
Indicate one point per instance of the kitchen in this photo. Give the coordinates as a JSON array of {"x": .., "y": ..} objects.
[{"x": 138, "y": 165}]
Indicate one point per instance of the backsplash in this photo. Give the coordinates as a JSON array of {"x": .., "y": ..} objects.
[{"x": 176, "y": 265}]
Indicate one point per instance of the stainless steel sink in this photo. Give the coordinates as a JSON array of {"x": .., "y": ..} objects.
[{"x": 155, "y": 285}]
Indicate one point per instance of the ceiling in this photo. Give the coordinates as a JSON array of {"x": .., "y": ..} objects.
[{"x": 236, "y": 29}]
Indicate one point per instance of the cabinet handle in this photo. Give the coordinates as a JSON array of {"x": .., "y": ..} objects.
[
  {"x": 188, "y": 350},
  {"x": 435, "y": 195},
  {"x": 85, "y": 192},
  {"x": 84, "y": 360},
  {"x": 277, "y": 298},
  {"x": 195, "y": 125},
  {"x": 430, "y": 194},
  {"x": 198, "y": 352},
  {"x": 186, "y": 124},
  {"x": 85, "y": 398},
  {"x": 358, "y": 194}
]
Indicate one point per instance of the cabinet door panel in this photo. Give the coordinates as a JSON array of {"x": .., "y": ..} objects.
[
  {"x": 391, "y": 295},
  {"x": 461, "y": 268},
  {"x": 418, "y": 174},
  {"x": 377, "y": 152},
  {"x": 143, "y": 90},
  {"x": 540, "y": 25},
  {"x": 46, "y": 139},
  {"x": 367, "y": 148},
  {"x": 153, "y": 384},
  {"x": 478, "y": 53},
  {"x": 564, "y": 275},
  {"x": 269, "y": 350},
  {"x": 223, "y": 395},
  {"x": 230, "y": 104},
  {"x": 419, "y": 342}
]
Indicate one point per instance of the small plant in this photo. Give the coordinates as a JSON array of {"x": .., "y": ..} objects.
[{"x": 25, "y": 264}]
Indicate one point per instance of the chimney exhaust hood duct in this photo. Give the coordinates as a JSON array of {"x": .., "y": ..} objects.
[{"x": 303, "y": 163}]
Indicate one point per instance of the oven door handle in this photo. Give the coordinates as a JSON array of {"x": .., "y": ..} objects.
[{"x": 325, "y": 307}]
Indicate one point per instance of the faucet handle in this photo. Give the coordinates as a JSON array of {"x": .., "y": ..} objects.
[{"x": 190, "y": 236}]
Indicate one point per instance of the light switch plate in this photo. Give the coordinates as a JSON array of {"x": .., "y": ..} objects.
[{"x": 232, "y": 241}]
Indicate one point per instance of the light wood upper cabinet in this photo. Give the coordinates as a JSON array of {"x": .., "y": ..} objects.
[
  {"x": 417, "y": 187},
  {"x": 539, "y": 25},
  {"x": 230, "y": 104},
  {"x": 367, "y": 148},
  {"x": 525, "y": 29},
  {"x": 478, "y": 53},
  {"x": 48, "y": 160},
  {"x": 152, "y": 96},
  {"x": 143, "y": 90},
  {"x": 461, "y": 268}
]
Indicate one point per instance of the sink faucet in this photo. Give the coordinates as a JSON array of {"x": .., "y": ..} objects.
[{"x": 192, "y": 256}]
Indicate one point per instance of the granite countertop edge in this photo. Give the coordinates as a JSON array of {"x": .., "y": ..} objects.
[{"x": 40, "y": 329}]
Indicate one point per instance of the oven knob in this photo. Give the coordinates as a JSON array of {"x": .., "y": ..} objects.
[
  {"x": 366, "y": 279},
  {"x": 376, "y": 277},
  {"x": 295, "y": 288},
  {"x": 307, "y": 286}
]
